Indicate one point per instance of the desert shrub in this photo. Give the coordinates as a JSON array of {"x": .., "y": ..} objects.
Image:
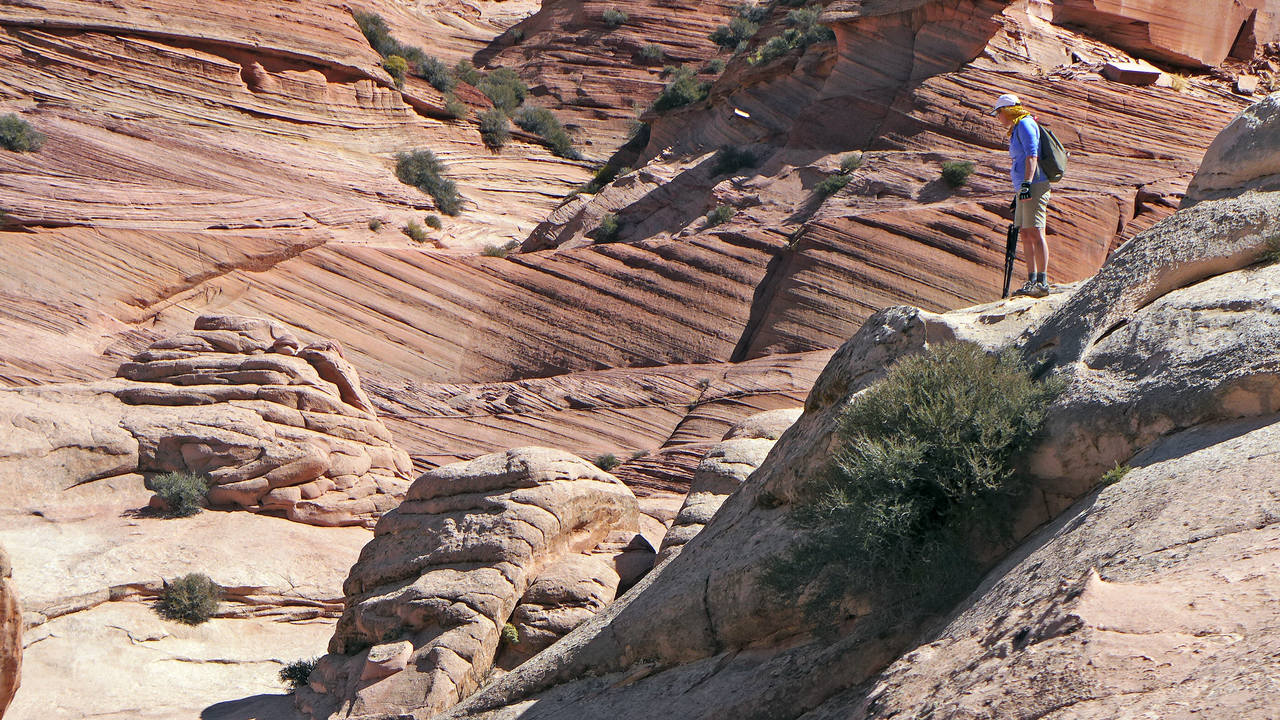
[
  {"x": 295, "y": 674},
  {"x": 638, "y": 136},
  {"x": 923, "y": 464},
  {"x": 375, "y": 224},
  {"x": 1179, "y": 82},
  {"x": 605, "y": 174},
  {"x": 607, "y": 462},
  {"x": 684, "y": 88},
  {"x": 510, "y": 635},
  {"x": 504, "y": 88},
  {"x": 455, "y": 108},
  {"x": 956, "y": 172},
  {"x": 377, "y": 33},
  {"x": 714, "y": 66},
  {"x": 652, "y": 53},
  {"x": 738, "y": 31},
  {"x": 182, "y": 492},
  {"x": 467, "y": 73},
  {"x": 18, "y": 135},
  {"x": 415, "y": 231},
  {"x": 719, "y": 215},
  {"x": 396, "y": 67},
  {"x": 614, "y": 17},
  {"x": 434, "y": 71},
  {"x": 433, "y": 222},
  {"x": 1114, "y": 475},
  {"x": 424, "y": 171},
  {"x": 191, "y": 599},
  {"x": 850, "y": 162},
  {"x": 608, "y": 229},
  {"x": 831, "y": 184},
  {"x": 516, "y": 35},
  {"x": 500, "y": 250},
  {"x": 495, "y": 128},
  {"x": 753, "y": 12},
  {"x": 543, "y": 122},
  {"x": 730, "y": 160},
  {"x": 803, "y": 30}
]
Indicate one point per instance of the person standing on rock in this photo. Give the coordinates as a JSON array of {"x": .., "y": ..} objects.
[{"x": 1032, "y": 205}]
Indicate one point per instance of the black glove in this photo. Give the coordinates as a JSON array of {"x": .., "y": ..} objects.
[{"x": 1024, "y": 192}]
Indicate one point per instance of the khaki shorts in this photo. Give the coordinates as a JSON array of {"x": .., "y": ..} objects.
[{"x": 1034, "y": 212}]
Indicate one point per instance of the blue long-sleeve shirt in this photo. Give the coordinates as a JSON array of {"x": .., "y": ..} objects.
[{"x": 1025, "y": 143}]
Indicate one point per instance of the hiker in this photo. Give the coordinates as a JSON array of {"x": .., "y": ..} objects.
[{"x": 1032, "y": 204}]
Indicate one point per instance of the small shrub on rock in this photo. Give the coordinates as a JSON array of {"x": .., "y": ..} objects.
[
  {"x": 652, "y": 53},
  {"x": 183, "y": 493},
  {"x": 424, "y": 171},
  {"x": 375, "y": 224},
  {"x": 1114, "y": 475},
  {"x": 510, "y": 635},
  {"x": 923, "y": 465},
  {"x": 735, "y": 34},
  {"x": 18, "y": 135},
  {"x": 455, "y": 108},
  {"x": 500, "y": 250},
  {"x": 434, "y": 71},
  {"x": 803, "y": 31},
  {"x": 396, "y": 67},
  {"x": 850, "y": 162},
  {"x": 296, "y": 673},
  {"x": 467, "y": 73},
  {"x": 377, "y": 33},
  {"x": 614, "y": 17},
  {"x": 730, "y": 160},
  {"x": 434, "y": 222},
  {"x": 753, "y": 12},
  {"x": 831, "y": 184},
  {"x": 608, "y": 229},
  {"x": 504, "y": 88},
  {"x": 607, "y": 462},
  {"x": 956, "y": 173},
  {"x": 415, "y": 231},
  {"x": 719, "y": 215},
  {"x": 191, "y": 599},
  {"x": 495, "y": 128},
  {"x": 543, "y": 122},
  {"x": 714, "y": 66}
]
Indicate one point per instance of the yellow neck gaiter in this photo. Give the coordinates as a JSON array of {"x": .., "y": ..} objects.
[{"x": 1015, "y": 113}]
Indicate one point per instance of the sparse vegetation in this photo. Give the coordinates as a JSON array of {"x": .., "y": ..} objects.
[
  {"x": 296, "y": 673},
  {"x": 191, "y": 599},
  {"x": 1114, "y": 475},
  {"x": 652, "y": 53},
  {"x": 455, "y": 108},
  {"x": 182, "y": 492},
  {"x": 467, "y": 73},
  {"x": 684, "y": 88},
  {"x": 730, "y": 160},
  {"x": 543, "y": 122},
  {"x": 500, "y": 250},
  {"x": 714, "y": 66},
  {"x": 377, "y": 33},
  {"x": 510, "y": 635},
  {"x": 516, "y": 35},
  {"x": 504, "y": 88},
  {"x": 831, "y": 184},
  {"x": 923, "y": 467},
  {"x": 605, "y": 174},
  {"x": 424, "y": 171},
  {"x": 614, "y": 17},
  {"x": 1179, "y": 82},
  {"x": 608, "y": 229},
  {"x": 375, "y": 224},
  {"x": 495, "y": 128},
  {"x": 735, "y": 34},
  {"x": 396, "y": 67},
  {"x": 415, "y": 231},
  {"x": 956, "y": 172},
  {"x": 18, "y": 135},
  {"x": 434, "y": 71},
  {"x": 753, "y": 12},
  {"x": 434, "y": 222},
  {"x": 607, "y": 462},
  {"x": 850, "y": 162},
  {"x": 719, "y": 215},
  {"x": 802, "y": 32},
  {"x": 417, "y": 62}
]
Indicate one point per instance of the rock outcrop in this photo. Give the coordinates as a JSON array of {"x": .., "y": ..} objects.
[
  {"x": 276, "y": 426},
  {"x": 10, "y": 635},
  {"x": 429, "y": 598},
  {"x": 1241, "y": 158}
]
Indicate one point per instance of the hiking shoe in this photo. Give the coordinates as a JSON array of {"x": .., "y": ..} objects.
[
  {"x": 1038, "y": 290},
  {"x": 1028, "y": 289}
]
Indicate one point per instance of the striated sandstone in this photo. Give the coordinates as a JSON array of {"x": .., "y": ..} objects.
[
  {"x": 10, "y": 635},
  {"x": 447, "y": 568}
]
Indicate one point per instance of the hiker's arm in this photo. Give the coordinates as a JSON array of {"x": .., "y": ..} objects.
[{"x": 1033, "y": 163}]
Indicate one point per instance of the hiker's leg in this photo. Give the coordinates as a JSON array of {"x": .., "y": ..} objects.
[{"x": 1034, "y": 249}]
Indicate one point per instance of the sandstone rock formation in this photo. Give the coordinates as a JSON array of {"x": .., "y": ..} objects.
[
  {"x": 10, "y": 635},
  {"x": 1240, "y": 158},
  {"x": 427, "y": 602},
  {"x": 276, "y": 426}
]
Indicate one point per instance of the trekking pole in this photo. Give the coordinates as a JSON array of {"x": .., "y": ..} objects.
[{"x": 1010, "y": 252}]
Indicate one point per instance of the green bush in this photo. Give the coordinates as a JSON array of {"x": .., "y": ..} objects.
[
  {"x": 684, "y": 88},
  {"x": 182, "y": 492},
  {"x": 415, "y": 231},
  {"x": 191, "y": 599},
  {"x": 396, "y": 67},
  {"x": 375, "y": 224},
  {"x": 434, "y": 222},
  {"x": 652, "y": 53},
  {"x": 831, "y": 184},
  {"x": 802, "y": 32},
  {"x": 730, "y": 160},
  {"x": 504, "y": 88},
  {"x": 424, "y": 171},
  {"x": 923, "y": 465},
  {"x": 714, "y": 66},
  {"x": 18, "y": 135},
  {"x": 719, "y": 215},
  {"x": 1114, "y": 475},
  {"x": 637, "y": 137},
  {"x": 614, "y": 17},
  {"x": 434, "y": 71},
  {"x": 607, "y": 462},
  {"x": 467, "y": 73},
  {"x": 500, "y": 250},
  {"x": 605, "y": 174},
  {"x": 608, "y": 229},
  {"x": 455, "y": 108},
  {"x": 377, "y": 33},
  {"x": 956, "y": 173},
  {"x": 510, "y": 635},
  {"x": 495, "y": 128},
  {"x": 296, "y": 673},
  {"x": 850, "y": 162},
  {"x": 516, "y": 35},
  {"x": 543, "y": 122},
  {"x": 735, "y": 34},
  {"x": 753, "y": 12}
]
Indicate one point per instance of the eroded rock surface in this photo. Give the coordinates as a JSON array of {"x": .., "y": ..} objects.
[
  {"x": 10, "y": 635},
  {"x": 447, "y": 568}
]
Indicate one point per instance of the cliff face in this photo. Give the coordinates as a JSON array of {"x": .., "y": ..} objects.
[{"x": 10, "y": 635}]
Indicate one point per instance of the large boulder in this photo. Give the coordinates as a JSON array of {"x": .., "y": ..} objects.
[
  {"x": 1243, "y": 157},
  {"x": 10, "y": 635},
  {"x": 429, "y": 598}
]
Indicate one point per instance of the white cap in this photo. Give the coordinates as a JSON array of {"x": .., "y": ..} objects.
[{"x": 1004, "y": 101}]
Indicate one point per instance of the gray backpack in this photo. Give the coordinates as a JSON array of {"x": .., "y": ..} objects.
[{"x": 1053, "y": 157}]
